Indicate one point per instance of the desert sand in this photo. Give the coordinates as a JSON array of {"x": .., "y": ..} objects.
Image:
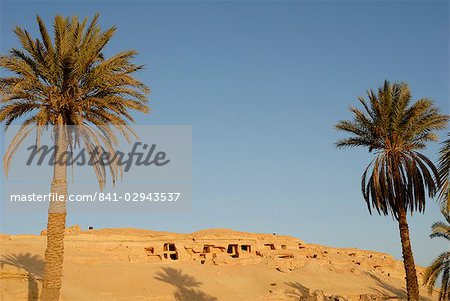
[{"x": 216, "y": 264}]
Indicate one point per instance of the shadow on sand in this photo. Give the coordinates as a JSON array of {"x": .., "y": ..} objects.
[
  {"x": 186, "y": 285},
  {"x": 389, "y": 292},
  {"x": 33, "y": 264},
  {"x": 297, "y": 291}
]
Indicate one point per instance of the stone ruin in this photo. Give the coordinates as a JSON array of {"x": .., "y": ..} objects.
[
  {"x": 215, "y": 246},
  {"x": 224, "y": 247},
  {"x": 229, "y": 249}
]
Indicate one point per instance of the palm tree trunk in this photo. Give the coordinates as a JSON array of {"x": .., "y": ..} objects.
[
  {"x": 412, "y": 285},
  {"x": 56, "y": 225}
]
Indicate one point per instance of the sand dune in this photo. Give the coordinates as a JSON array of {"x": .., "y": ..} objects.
[{"x": 215, "y": 264}]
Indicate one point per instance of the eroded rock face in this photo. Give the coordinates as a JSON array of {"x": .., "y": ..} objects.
[
  {"x": 371, "y": 297},
  {"x": 228, "y": 263},
  {"x": 318, "y": 295},
  {"x": 227, "y": 247},
  {"x": 211, "y": 247}
]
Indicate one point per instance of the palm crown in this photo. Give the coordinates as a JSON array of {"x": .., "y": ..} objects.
[
  {"x": 68, "y": 81},
  {"x": 395, "y": 130}
]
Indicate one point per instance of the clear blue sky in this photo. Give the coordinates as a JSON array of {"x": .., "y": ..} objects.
[{"x": 262, "y": 84}]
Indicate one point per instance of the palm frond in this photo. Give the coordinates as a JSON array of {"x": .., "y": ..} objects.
[
  {"x": 441, "y": 265},
  {"x": 66, "y": 80}
]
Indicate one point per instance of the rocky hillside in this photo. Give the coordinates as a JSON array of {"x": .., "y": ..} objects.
[{"x": 216, "y": 264}]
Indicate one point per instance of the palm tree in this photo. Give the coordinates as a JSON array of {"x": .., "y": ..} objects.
[
  {"x": 441, "y": 265},
  {"x": 63, "y": 81},
  {"x": 399, "y": 177},
  {"x": 444, "y": 174}
]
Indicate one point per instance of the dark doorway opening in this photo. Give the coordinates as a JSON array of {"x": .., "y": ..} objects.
[
  {"x": 233, "y": 251},
  {"x": 246, "y": 248},
  {"x": 170, "y": 251}
]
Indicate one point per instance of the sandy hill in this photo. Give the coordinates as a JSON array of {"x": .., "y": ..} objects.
[{"x": 208, "y": 265}]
